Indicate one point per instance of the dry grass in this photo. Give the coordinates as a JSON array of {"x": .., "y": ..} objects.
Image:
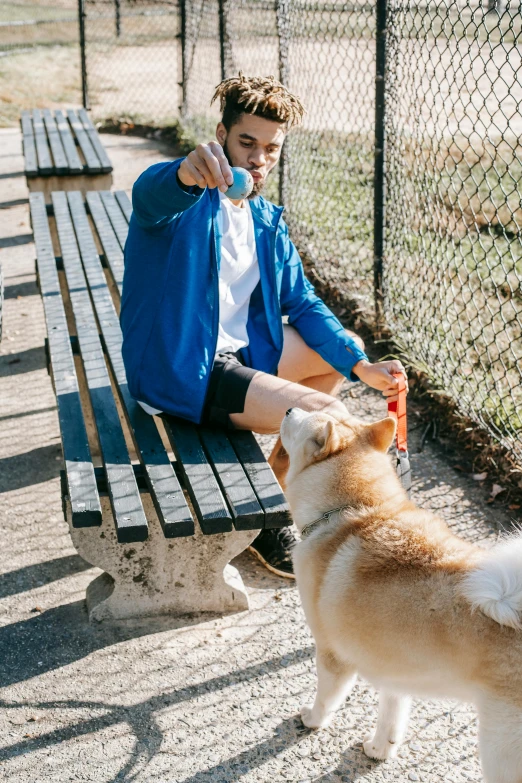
[
  {"x": 36, "y": 9},
  {"x": 41, "y": 78}
]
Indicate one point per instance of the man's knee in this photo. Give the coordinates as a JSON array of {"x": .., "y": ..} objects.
[
  {"x": 355, "y": 337},
  {"x": 313, "y": 403}
]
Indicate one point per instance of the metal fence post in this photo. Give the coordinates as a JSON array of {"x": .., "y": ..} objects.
[
  {"x": 225, "y": 46},
  {"x": 117, "y": 12},
  {"x": 184, "y": 64},
  {"x": 379, "y": 157},
  {"x": 283, "y": 35},
  {"x": 83, "y": 58}
]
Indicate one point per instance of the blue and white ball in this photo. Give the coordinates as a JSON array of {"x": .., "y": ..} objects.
[{"x": 243, "y": 184}]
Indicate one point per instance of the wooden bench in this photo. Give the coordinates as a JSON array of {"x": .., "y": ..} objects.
[
  {"x": 1, "y": 300},
  {"x": 63, "y": 151},
  {"x": 160, "y": 507}
]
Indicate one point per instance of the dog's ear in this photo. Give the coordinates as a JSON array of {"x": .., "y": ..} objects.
[
  {"x": 327, "y": 441},
  {"x": 382, "y": 434}
]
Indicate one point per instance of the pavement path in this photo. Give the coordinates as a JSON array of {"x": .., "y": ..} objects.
[{"x": 173, "y": 701}]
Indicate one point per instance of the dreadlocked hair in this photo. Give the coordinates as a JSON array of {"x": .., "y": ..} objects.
[{"x": 262, "y": 96}]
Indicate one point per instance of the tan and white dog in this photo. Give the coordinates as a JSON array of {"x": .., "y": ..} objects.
[{"x": 390, "y": 593}]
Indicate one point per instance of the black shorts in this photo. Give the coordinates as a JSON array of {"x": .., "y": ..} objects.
[{"x": 227, "y": 389}]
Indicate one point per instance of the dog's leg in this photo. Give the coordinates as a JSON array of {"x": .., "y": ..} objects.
[
  {"x": 500, "y": 741},
  {"x": 335, "y": 680},
  {"x": 392, "y": 722}
]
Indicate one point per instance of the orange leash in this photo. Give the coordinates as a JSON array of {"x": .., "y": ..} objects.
[{"x": 397, "y": 411}]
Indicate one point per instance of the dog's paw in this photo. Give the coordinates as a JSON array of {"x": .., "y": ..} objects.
[
  {"x": 379, "y": 749},
  {"x": 312, "y": 720}
]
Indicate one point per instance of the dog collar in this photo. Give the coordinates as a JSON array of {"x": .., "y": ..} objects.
[{"x": 311, "y": 526}]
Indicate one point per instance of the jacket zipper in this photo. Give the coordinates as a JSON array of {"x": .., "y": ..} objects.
[
  {"x": 215, "y": 325},
  {"x": 216, "y": 292},
  {"x": 274, "y": 286}
]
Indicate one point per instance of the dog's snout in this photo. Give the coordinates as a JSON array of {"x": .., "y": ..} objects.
[{"x": 289, "y": 411}]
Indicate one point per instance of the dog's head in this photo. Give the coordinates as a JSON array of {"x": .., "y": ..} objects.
[{"x": 336, "y": 461}]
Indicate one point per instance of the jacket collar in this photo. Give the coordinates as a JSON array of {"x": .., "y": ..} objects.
[{"x": 265, "y": 212}]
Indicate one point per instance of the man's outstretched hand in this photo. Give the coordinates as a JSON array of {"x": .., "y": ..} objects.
[
  {"x": 381, "y": 376},
  {"x": 207, "y": 167}
]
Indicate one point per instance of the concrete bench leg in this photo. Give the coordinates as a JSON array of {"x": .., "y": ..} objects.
[{"x": 161, "y": 576}]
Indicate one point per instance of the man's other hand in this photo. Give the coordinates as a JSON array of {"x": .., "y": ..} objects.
[
  {"x": 382, "y": 376},
  {"x": 207, "y": 167}
]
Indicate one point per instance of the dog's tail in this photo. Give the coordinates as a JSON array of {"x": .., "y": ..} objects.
[{"x": 495, "y": 585}]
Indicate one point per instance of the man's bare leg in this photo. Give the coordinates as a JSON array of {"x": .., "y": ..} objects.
[{"x": 304, "y": 380}]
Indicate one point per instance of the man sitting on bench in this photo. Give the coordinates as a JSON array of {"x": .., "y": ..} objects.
[{"x": 207, "y": 281}]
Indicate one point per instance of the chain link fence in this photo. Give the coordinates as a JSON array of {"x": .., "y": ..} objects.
[
  {"x": 133, "y": 59},
  {"x": 417, "y": 205},
  {"x": 39, "y": 56},
  {"x": 452, "y": 268},
  {"x": 325, "y": 52},
  {"x": 329, "y": 60},
  {"x": 27, "y": 24}
]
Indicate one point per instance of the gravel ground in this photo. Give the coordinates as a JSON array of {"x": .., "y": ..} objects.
[{"x": 178, "y": 701}]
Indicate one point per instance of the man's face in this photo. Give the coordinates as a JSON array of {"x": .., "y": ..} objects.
[{"x": 253, "y": 143}]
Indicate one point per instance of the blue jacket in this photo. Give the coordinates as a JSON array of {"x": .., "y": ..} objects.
[{"x": 170, "y": 303}]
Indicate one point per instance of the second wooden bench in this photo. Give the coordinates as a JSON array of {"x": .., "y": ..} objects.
[{"x": 63, "y": 151}]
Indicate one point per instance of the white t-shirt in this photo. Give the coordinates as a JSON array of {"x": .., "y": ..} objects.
[{"x": 238, "y": 276}]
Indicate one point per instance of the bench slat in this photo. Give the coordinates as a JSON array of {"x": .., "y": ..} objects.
[
  {"x": 81, "y": 481},
  {"x": 262, "y": 478},
  {"x": 129, "y": 516},
  {"x": 59, "y": 158},
  {"x": 117, "y": 218},
  {"x": 125, "y": 204},
  {"x": 111, "y": 246},
  {"x": 247, "y": 514},
  {"x": 31, "y": 163},
  {"x": 167, "y": 495},
  {"x": 93, "y": 165},
  {"x": 45, "y": 164},
  {"x": 204, "y": 491},
  {"x": 73, "y": 159},
  {"x": 106, "y": 165}
]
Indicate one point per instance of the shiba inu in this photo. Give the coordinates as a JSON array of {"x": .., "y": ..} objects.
[{"x": 391, "y": 593}]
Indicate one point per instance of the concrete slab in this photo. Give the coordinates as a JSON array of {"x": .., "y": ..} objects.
[{"x": 178, "y": 701}]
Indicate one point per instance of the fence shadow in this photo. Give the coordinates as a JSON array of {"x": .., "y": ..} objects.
[
  {"x": 31, "y": 467},
  {"x": 28, "y": 577},
  {"x": 28, "y": 288},
  {"x": 23, "y": 361},
  {"x": 63, "y": 635}
]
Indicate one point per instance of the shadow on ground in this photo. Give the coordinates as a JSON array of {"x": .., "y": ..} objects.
[
  {"x": 20, "y": 239},
  {"x": 29, "y": 577},
  {"x": 63, "y": 634},
  {"x": 27, "y": 288},
  {"x": 31, "y": 467},
  {"x": 24, "y": 361}
]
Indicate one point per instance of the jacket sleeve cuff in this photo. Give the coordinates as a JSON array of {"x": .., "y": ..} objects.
[
  {"x": 192, "y": 190},
  {"x": 355, "y": 355}
]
